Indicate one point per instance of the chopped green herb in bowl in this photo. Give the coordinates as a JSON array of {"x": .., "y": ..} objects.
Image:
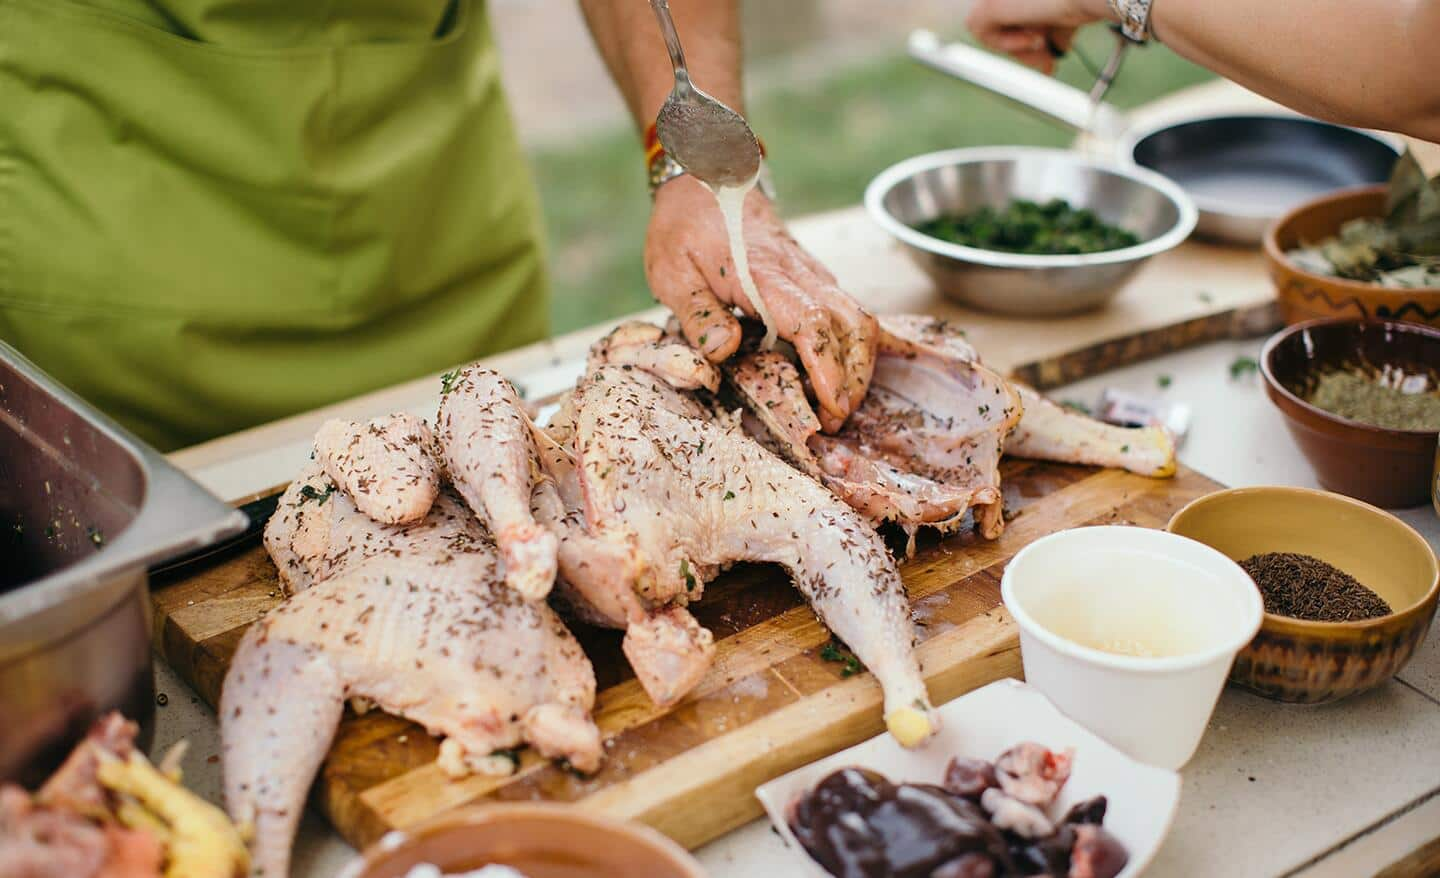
[{"x": 1052, "y": 228}]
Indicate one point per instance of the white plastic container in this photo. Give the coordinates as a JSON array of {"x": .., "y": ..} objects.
[{"x": 1131, "y": 632}]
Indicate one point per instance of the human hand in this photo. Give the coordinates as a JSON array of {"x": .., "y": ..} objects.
[
  {"x": 1027, "y": 29},
  {"x": 689, "y": 268}
]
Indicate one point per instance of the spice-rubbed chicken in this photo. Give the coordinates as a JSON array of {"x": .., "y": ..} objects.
[
  {"x": 521, "y": 480},
  {"x": 1046, "y": 431},
  {"x": 486, "y": 441},
  {"x": 924, "y": 447},
  {"x": 417, "y": 619},
  {"x": 384, "y": 464},
  {"x": 1054, "y": 432},
  {"x": 691, "y": 494}
]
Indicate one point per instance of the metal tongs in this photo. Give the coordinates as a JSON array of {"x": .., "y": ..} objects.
[
  {"x": 712, "y": 142},
  {"x": 1097, "y": 120},
  {"x": 1103, "y": 77},
  {"x": 1106, "y": 75}
]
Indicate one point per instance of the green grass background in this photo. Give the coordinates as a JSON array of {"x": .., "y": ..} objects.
[{"x": 826, "y": 139}]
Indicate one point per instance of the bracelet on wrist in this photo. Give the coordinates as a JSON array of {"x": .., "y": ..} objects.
[{"x": 1134, "y": 16}]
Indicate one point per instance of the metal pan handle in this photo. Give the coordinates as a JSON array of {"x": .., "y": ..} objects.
[{"x": 1012, "y": 80}]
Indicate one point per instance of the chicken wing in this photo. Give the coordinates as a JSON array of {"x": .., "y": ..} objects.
[{"x": 384, "y": 464}]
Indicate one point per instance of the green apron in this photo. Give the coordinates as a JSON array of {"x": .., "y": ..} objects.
[{"x": 214, "y": 213}]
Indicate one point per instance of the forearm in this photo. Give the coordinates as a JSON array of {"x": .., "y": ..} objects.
[
  {"x": 629, "y": 40},
  {"x": 1358, "y": 63}
]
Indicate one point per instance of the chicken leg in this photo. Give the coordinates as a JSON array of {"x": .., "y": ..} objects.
[
  {"x": 486, "y": 442},
  {"x": 1054, "y": 432}
]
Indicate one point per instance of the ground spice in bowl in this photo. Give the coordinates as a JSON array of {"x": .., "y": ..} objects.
[
  {"x": 1303, "y": 587},
  {"x": 1396, "y": 402}
]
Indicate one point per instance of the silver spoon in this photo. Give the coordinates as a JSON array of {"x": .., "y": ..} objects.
[{"x": 712, "y": 142}]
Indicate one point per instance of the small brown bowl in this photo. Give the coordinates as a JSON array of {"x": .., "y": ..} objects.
[
  {"x": 1390, "y": 468},
  {"x": 541, "y": 840},
  {"x": 1305, "y": 295},
  {"x": 1315, "y": 662}
]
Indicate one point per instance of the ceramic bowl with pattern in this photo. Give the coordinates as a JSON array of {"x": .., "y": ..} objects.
[
  {"x": 1305, "y": 295},
  {"x": 1305, "y": 662}
]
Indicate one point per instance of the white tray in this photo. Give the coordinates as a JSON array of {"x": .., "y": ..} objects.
[{"x": 986, "y": 723}]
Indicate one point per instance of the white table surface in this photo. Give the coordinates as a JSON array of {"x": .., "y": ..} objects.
[{"x": 1335, "y": 790}]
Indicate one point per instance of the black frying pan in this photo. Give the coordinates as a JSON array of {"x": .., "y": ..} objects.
[
  {"x": 1242, "y": 171},
  {"x": 1245, "y": 171}
]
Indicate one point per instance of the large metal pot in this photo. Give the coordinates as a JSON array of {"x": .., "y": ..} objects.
[{"x": 84, "y": 507}]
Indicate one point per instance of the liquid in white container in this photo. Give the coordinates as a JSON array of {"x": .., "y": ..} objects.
[{"x": 1131, "y": 632}]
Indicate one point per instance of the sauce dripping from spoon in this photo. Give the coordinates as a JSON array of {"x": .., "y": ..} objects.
[{"x": 732, "y": 207}]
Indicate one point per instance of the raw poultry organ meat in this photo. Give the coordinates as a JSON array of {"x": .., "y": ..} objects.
[{"x": 418, "y": 566}]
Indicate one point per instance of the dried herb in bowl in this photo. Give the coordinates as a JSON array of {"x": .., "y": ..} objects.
[
  {"x": 1052, "y": 228},
  {"x": 1392, "y": 400},
  {"x": 1401, "y": 249},
  {"x": 1303, "y": 587}
]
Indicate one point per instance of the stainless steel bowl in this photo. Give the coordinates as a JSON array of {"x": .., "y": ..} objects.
[
  {"x": 962, "y": 180},
  {"x": 84, "y": 507}
]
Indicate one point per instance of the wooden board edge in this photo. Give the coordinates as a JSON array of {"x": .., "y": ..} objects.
[
  {"x": 985, "y": 649},
  {"x": 1249, "y": 321}
]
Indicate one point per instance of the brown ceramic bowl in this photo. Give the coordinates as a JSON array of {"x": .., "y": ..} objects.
[
  {"x": 1305, "y": 295},
  {"x": 1315, "y": 662},
  {"x": 1390, "y": 468},
  {"x": 541, "y": 840}
]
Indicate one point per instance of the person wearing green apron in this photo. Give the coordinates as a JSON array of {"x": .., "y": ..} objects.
[{"x": 215, "y": 213}]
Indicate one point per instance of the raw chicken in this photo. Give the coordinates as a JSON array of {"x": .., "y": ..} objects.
[
  {"x": 597, "y": 578},
  {"x": 486, "y": 441},
  {"x": 666, "y": 646},
  {"x": 1054, "y": 432},
  {"x": 40, "y": 842},
  {"x": 934, "y": 411},
  {"x": 417, "y": 619},
  {"x": 1047, "y": 431},
  {"x": 923, "y": 448},
  {"x": 692, "y": 494},
  {"x": 108, "y": 813},
  {"x": 648, "y": 347},
  {"x": 317, "y": 531},
  {"x": 74, "y": 786},
  {"x": 384, "y": 464},
  {"x": 436, "y": 638}
]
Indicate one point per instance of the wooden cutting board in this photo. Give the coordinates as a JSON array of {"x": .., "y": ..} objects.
[{"x": 770, "y": 703}]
